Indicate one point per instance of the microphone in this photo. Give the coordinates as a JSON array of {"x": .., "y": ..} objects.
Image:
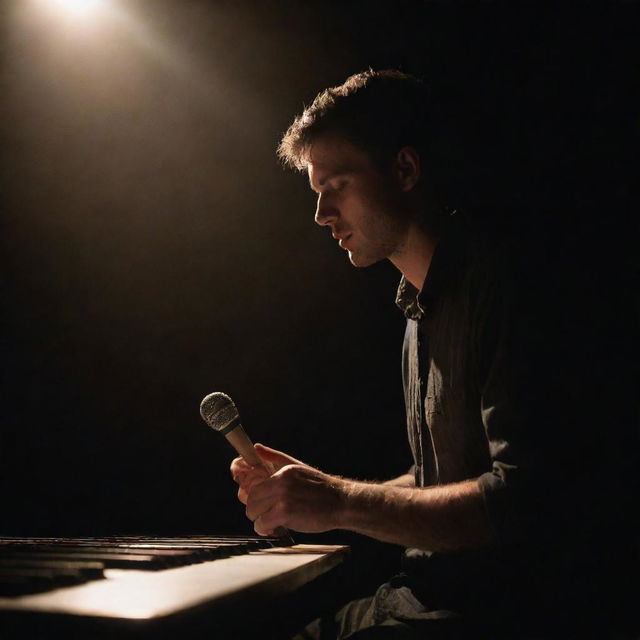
[{"x": 220, "y": 413}]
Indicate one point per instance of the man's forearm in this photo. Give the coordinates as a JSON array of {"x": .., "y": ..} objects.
[
  {"x": 443, "y": 518},
  {"x": 450, "y": 517},
  {"x": 405, "y": 480}
]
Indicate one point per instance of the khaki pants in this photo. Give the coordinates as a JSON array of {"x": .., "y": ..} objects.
[{"x": 392, "y": 613}]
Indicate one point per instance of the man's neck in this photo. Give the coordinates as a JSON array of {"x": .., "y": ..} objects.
[{"x": 414, "y": 258}]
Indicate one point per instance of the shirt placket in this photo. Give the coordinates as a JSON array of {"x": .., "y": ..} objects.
[{"x": 425, "y": 440}]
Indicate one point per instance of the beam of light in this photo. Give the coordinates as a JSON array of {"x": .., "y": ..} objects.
[
  {"x": 149, "y": 41},
  {"x": 75, "y": 8},
  {"x": 75, "y": 5},
  {"x": 106, "y": 14},
  {"x": 94, "y": 22}
]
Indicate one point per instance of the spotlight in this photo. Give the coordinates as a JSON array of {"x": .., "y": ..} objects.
[{"x": 76, "y": 7}]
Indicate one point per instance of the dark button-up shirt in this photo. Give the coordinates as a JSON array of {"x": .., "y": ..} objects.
[
  {"x": 497, "y": 389},
  {"x": 461, "y": 375},
  {"x": 453, "y": 368}
]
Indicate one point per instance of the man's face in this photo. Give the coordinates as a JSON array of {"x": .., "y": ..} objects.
[{"x": 360, "y": 203}]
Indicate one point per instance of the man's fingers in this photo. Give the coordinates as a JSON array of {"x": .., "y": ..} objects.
[
  {"x": 246, "y": 483},
  {"x": 266, "y": 523},
  {"x": 274, "y": 456},
  {"x": 257, "y": 505},
  {"x": 243, "y": 473},
  {"x": 238, "y": 468},
  {"x": 261, "y": 529}
]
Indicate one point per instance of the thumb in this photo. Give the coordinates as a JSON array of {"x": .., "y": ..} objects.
[{"x": 275, "y": 457}]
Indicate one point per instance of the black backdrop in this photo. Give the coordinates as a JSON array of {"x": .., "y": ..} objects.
[{"x": 153, "y": 250}]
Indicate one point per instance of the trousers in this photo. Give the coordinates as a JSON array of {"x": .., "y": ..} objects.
[{"x": 392, "y": 613}]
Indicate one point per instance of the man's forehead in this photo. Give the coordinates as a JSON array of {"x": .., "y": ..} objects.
[
  {"x": 332, "y": 150},
  {"x": 333, "y": 156}
]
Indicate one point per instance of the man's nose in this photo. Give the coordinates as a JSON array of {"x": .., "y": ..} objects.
[{"x": 325, "y": 212}]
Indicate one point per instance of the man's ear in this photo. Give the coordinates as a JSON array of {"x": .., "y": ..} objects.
[{"x": 407, "y": 168}]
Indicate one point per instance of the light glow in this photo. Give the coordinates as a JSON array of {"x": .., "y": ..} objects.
[
  {"x": 74, "y": 12},
  {"x": 77, "y": 7}
]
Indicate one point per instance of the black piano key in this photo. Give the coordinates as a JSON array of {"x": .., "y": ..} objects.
[
  {"x": 91, "y": 570},
  {"x": 22, "y": 585},
  {"x": 21, "y": 580},
  {"x": 173, "y": 554},
  {"x": 110, "y": 560},
  {"x": 162, "y": 557}
]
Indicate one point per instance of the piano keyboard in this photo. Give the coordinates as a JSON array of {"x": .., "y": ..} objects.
[{"x": 141, "y": 578}]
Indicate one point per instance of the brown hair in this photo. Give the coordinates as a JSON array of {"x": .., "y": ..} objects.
[{"x": 378, "y": 111}]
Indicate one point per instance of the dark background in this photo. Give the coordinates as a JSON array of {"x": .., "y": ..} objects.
[{"x": 153, "y": 250}]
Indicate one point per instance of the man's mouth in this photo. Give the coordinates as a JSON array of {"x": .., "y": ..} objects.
[
  {"x": 341, "y": 236},
  {"x": 343, "y": 239}
]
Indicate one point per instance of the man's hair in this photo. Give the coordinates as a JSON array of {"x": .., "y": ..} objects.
[{"x": 377, "y": 111}]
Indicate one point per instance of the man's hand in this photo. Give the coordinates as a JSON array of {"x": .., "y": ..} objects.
[
  {"x": 247, "y": 475},
  {"x": 449, "y": 517},
  {"x": 297, "y": 497}
]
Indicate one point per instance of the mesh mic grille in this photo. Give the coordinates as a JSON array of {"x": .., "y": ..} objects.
[{"x": 217, "y": 410}]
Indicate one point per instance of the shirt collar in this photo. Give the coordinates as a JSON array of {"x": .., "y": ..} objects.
[
  {"x": 407, "y": 299},
  {"x": 445, "y": 259}
]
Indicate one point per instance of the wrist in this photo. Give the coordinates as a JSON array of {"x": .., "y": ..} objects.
[
  {"x": 344, "y": 497},
  {"x": 355, "y": 500}
]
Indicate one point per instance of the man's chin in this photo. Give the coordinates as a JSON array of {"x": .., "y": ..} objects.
[{"x": 359, "y": 260}]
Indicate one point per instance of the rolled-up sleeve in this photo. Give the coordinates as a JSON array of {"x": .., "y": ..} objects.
[{"x": 513, "y": 487}]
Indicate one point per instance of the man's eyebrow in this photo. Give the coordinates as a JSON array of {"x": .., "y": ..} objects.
[{"x": 334, "y": 174}]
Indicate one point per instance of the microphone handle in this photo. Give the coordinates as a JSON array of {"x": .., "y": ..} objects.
[{"x": 241, "y": 442}]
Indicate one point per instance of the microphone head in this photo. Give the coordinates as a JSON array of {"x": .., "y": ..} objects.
[{"x": 218, "y": 411}]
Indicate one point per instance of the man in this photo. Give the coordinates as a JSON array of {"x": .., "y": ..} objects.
[{"x": 478, "y": 491}]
